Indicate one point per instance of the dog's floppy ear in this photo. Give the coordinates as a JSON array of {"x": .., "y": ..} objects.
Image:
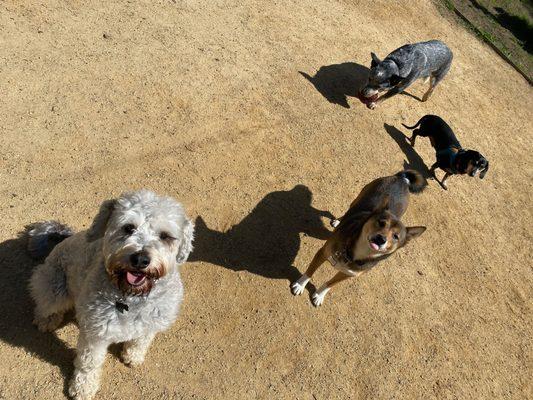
[
  {"x": 98, "y": 227},
  {"x": 413, "y": 232},
  {"x": 375, "y": 60},
  {"x": 484, "y": 171},
  {"x": 185, "y": 247}
]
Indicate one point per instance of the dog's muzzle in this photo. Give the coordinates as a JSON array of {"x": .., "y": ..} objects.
[
  {"x": 369, "y": 91},
  {"x": 139, "y": 262},
  {"x": 135, "y": 273},
  {"x": 378, "y": 242}
]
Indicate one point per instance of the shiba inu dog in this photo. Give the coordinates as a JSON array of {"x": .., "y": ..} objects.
[{"x": 369, "y": 231}]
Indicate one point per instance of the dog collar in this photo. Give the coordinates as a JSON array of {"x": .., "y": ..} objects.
[
  {"x": 341, "y": 256},
  {"x": 449, "y": 155},
  {"x": 121, "y": 307}
]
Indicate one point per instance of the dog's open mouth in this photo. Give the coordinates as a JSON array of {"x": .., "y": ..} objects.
[
  {"x": 136, "y": 278},
  {"x": 376, "y": 242}
]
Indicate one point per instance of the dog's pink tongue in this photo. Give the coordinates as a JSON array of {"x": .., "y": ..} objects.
[
  {"x": 134, "y": 279},
  {"x": 374, "y": 246}
]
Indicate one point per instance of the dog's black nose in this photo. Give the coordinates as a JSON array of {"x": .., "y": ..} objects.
[
  {"x": 380, "y": 240},
  {"x": 140, "y": 260}
]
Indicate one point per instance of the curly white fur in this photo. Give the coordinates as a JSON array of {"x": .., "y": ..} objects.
[{"x": 77, "y": 274}]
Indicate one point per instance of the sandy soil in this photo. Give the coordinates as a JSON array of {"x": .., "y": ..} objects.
[{"x": 208, "y": 101}]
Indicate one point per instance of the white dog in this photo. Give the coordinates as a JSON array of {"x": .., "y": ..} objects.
[{"x": 121, "y": 276}]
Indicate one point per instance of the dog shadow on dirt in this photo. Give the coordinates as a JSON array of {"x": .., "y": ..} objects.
[
  {"x": 337, "y": 82},
  {"x": 16, "y": 328},
  {"x": 414, "y": 160},
  {"x": 267, "y": 240}
]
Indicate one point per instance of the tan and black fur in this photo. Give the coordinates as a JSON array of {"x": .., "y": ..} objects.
[
  {"x": 451, "y": 157},
  {"x": 369, "y": 231}
]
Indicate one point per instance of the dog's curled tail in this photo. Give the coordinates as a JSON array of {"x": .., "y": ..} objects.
[
  {"x": 44, "y": 236},
  {"x": 415, "y": 125},
  {"x": 414, "y": 179}
]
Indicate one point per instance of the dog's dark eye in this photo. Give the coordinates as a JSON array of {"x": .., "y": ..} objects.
[
  {"x": 396, "y": 236},
  {"x": 128, "y": 229},
  {"x": 382, "y": 223},
  {"x": 166, "y": 236}
]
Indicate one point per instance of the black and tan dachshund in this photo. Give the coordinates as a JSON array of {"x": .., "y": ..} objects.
[{"x": 451, "y": 157}]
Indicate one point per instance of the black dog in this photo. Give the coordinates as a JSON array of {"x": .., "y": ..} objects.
[{"x": 451, "y": 157}]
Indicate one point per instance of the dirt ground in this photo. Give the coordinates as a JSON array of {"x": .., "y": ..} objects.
[{"x": 244, "y": 111}]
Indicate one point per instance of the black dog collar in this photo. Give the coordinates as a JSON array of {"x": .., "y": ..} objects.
[{"x": 342, "y": 257}]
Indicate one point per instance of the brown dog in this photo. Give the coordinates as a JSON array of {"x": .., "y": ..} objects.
[{"x": 369, "y": 232}]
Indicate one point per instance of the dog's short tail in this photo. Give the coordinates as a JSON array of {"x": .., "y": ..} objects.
[
  {"x": 44, "y": 236},
  {"x": 416, "y": 125},
  {"x": 414, "y": 179}
]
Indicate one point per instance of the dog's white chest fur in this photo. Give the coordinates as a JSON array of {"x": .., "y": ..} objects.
[{"x": 104, "y": 317}]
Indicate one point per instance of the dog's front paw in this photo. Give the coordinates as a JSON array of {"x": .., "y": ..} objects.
[
  {"x": 131, "y": 357},
  {"x": 49, "y": 323},
  {"x": 372, "y": 105},
  {"x": 83, "y": 386},
  {"x": 318, "y": 298},
  {"x": 298, "y": 287}
]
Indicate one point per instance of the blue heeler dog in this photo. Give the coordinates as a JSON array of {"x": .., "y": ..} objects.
[{"x": 404, "y": 66}]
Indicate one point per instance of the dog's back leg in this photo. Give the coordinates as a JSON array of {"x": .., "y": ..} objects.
[
  {"x": 432, "y": 84},
  {"x": 413, "y": 137},
  {"x": 48, "y": 288},
  {"x": 435, "y": 79}
]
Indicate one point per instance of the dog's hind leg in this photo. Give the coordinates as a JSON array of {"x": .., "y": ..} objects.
[
  {"x": 435, "y": 80},
  {"x": 298, "y": 287},
  {"x": 48, "y": 288},
  {"x": 134, "y": 351},
  {"x": 413, "y": 137},
  {"x": 432, "y": 84}
]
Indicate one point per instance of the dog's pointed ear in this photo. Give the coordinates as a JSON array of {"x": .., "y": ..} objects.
[
  {"x": 99, "y": 224},
  {"x": 413, "y": 232},
  {"x": 185, "y": 246},
  {"x": 375, "y": 60},
  {"x": 484, "y": 171}
]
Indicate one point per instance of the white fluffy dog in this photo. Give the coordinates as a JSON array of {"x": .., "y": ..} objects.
[{"x": 121, "y": 276}]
